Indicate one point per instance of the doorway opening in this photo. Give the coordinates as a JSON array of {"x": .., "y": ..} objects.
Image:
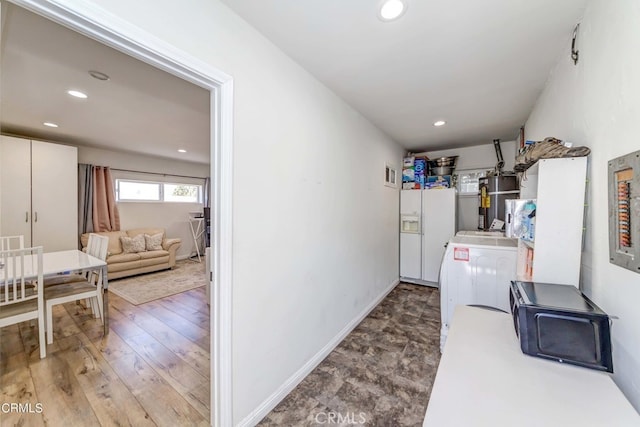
[{"x": 88, "y": 20}]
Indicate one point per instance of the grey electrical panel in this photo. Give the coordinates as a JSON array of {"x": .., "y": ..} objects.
[{"x": 624, "y": 211}]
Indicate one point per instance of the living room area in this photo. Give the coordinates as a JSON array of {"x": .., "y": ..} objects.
[
  {"x": 159, "y": 333},
  {"x": 153, "y": 360}
]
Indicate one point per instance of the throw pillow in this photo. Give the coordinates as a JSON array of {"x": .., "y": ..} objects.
[
  {"x": 132, "y": 245},
  {"x": 153, "y": 243}
]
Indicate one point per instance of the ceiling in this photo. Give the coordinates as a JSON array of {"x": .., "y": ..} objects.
[
  {"x": 139, "y": 109},
  {"x": 478, "y": 65}
]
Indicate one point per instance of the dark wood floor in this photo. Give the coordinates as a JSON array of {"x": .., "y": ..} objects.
[{"x": 151, "y": 369}]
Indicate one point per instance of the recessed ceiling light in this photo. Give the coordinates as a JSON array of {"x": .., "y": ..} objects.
[
  {"x": 440, "y": 123},
  {"x": 392, "y": 9},
  {"x": 98, "y": 75},
  {"x": 51, "y": 125},
  {"x": 182, "y": 150},
  {"x": 77, "y": 94}
]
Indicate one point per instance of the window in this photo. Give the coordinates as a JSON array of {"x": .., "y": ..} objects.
[
  {"x": 468, "y": 181},
  {"x": 148, "y": 191},
  {"x": 390, "y": 176},
  {"x": 186, "y": 193},
  {"x": 135, "y": 190}
]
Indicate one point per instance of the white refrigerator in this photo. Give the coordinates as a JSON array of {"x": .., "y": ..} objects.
[{"x": 427, "y": 222}]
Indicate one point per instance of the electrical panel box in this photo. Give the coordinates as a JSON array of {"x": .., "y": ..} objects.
[{"x": 624, "y": 211}]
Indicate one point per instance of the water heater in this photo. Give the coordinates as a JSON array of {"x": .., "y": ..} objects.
[{"x": 494, "y": 190}]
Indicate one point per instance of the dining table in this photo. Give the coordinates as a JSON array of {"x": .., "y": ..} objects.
[{"x": 66, "y": 262}]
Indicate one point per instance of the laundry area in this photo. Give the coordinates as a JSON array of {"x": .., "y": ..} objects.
[{"x": 472, "y": 232}]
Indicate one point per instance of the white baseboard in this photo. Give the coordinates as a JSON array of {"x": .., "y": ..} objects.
[
  {"x": 420, "y": 282},
  {"x": 272, "y": 401}
]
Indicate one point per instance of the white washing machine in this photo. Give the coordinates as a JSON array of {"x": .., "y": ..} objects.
[{"x": 476, "y": 270}]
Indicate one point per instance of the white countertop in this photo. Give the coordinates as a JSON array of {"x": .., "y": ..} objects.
[{"x": 484, "y": 379}]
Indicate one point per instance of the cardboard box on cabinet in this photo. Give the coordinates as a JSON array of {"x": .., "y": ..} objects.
[
  {"x": 410, "y": 186},
  {"x": 438, "y": 181},
  {"x": 420, "y": 171},
  {"x": 414, "y": 173},
  {"x": 408, "y": 174}
]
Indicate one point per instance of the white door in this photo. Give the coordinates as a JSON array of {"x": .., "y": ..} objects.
[
  {"x": 438, "y": 225},
  {"x": 15, "y": 187},
  {"x": 411, "y": 236},
  {"x": 55, "y": 196}
]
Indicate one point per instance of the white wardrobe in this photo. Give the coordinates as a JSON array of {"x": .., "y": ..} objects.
[{"x": 39, "y": 192}]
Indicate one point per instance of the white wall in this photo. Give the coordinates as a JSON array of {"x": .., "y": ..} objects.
[
  {"x": 597, "y": 104},
  {"x": 142, "y": 163},
  {"x": 469, "y": 158},
  {"x": 173, "y": 217},
  {"x": 315, "y": 231}
]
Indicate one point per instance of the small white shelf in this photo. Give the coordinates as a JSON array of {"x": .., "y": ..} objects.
[{"x": 558, "y": 185}]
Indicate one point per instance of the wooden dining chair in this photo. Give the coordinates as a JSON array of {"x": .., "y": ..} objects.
[
  {"x": 21, "y": 297},
  {"x": 81, "y": 287},
  {"x": 95, "y": 247}
]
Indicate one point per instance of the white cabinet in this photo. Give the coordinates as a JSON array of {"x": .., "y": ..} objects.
[
  {"x": 558, "y": 185},
  {"x": 15, "y": 187},
  {"x": 39, "y": 193},
  {"x": 428, "y": 219}
]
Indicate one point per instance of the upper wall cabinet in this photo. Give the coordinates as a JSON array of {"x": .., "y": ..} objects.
[{"x": 39, "y": 193}]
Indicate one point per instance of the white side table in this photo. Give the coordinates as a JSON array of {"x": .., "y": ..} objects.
[{"x": 197, "y": 232}]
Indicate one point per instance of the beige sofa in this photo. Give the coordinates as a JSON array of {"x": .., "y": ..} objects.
[{"x": 121, "y": 264}]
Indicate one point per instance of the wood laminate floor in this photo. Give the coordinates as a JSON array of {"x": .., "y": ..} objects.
[{"x": 151, "y": 369}]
